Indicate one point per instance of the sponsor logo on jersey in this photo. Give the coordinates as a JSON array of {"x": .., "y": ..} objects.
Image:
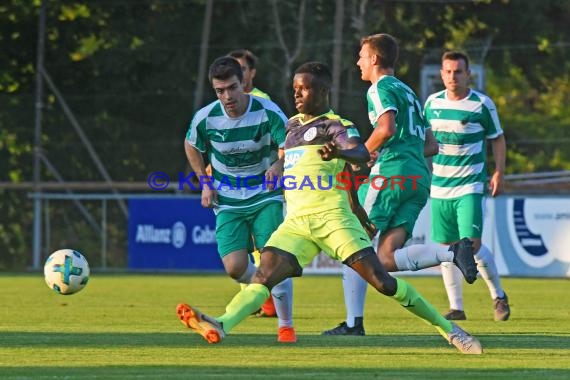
[{"x": 292, "y": 156}]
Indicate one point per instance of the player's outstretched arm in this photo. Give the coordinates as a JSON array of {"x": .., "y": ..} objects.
[{"x": 353, "y": 153}]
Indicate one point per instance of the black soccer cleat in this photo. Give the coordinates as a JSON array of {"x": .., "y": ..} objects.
[
  {"x": 455, "y": 315},
  {"x": 343, "y": 329},
  {"x": 502, "y": 308},
  {"x": 464, "y": 259}
]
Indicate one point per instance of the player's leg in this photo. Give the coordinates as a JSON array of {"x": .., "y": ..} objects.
[
  {"x": 444, "y": 230},
  {"x": 395, "y": 257},
  {"x": 370, "y": 268},
  {"x": 232, "y": 235},
  {"x": 354, "y": 292},
  {"x": 342, "y": 237},
  {"x": 471, "y": 215},
  {"x": 354, "y": 287},
  {"x": 274, "y": 268},
  {"x": 266, "y": 221},
  {"x": 277, "y": 263}
]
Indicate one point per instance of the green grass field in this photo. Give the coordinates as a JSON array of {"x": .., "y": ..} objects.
[{"x": 125, "y": 327}]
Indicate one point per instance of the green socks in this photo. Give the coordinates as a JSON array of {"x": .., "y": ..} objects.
[
  {"x": 243, "y": 304},
  {"x": 413, "y": 301}
]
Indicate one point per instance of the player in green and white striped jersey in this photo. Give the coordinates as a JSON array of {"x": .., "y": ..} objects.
[
  {"x": 462, "y": 120},
  {"x": 243, "y": 137},
  {"x": 248, "y": 62},
  {"x": 401, "y": 138}
]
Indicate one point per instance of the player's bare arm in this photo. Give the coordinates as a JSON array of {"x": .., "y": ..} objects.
[
  {"x": 209, "y": 195},
  {"x": 275, "y": 171},
  {"x": 497, "y": 182},
  {"x": 353, "y": 152},
  {"x": 431, "y": 147},
  {"x": 384, "y": 130}
]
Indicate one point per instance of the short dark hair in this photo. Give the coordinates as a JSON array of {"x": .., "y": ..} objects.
[
  {"x": 224, "y": 68},
  {"x": 456, "y": 56},
  {"x": 385, "y": 46},
  {"x": 250, "y": 58},
  {"x": 319, "y": 70}
]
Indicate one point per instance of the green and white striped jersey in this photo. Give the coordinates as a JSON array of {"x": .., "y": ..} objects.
[
  {"x": 403, "y": 153},
  {"x": 461, "y": 128},
  {"x": 240, "y": 150}
]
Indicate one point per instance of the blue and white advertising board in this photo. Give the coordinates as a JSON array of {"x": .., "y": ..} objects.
[
  {"x": 532, "y": 235},
  {"x": 172, "y": 234},
  {"x": 529, "y": 235}
]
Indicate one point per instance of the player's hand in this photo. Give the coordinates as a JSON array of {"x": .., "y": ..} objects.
[
  {"x": 497, "y": 184},
  {"x": 355, "y": 167},
  {"x": 273, "y": 174},
  {"x": 328, "y": 151},
  {"x": 373, "y": 158},
  {"x": 209, "y": 197}
]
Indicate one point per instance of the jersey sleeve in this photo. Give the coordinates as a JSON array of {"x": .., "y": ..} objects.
[
  {"x": 380, "y": 101},
  {"x": 490, "y": 120},
  {"x": 277, "y": 126},
  {"x": 196, "y": 135},
  {"x": 343, "y": 133}
]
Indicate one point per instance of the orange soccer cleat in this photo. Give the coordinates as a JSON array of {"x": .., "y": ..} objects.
[
  {"x": 286, "y": 335},
  {"x": 267, "y": 309},
  {"x": 208, "y": 327}
]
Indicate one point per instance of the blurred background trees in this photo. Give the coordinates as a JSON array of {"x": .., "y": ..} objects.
[{"x": 129, "y": 71}]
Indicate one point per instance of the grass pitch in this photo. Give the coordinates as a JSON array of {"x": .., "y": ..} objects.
[{"x": 125, "y": 327}]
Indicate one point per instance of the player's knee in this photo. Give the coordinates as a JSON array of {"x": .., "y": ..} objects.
[
  {"x": 237, "y": 272},
  {"x": 387, "y": 261}
]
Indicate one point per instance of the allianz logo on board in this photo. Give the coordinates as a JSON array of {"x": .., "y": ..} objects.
[{"x": 176, "y": 235}]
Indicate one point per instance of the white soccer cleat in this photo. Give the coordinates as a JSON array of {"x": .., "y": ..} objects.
[{"x": 463, "y": 341}]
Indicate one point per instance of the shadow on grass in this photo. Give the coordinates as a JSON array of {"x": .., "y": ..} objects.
[
  {"x": 186, "y": 337},
  {"x": 245, "y": 372}
]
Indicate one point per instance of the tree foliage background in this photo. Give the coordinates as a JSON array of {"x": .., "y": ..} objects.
[{"x": 128, "y": 69}]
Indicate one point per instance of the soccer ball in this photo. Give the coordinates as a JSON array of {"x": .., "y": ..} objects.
[{"x": 66, "y": 271}]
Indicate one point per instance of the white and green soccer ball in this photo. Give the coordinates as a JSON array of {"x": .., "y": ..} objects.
[{"x": 66, "y": 271}]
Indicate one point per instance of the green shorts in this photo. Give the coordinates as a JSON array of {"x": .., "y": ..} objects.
[
  {"x": 236, "y": 228},
  {"x": 453, "y": 219},
  {"x": 337, "y": 232},
  {"x": 393, "y": 207}
]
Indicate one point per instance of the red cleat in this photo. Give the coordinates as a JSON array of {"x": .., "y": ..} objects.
[
  {"x": 267, "y": 309},
  {"x": 286, "y": 335}
]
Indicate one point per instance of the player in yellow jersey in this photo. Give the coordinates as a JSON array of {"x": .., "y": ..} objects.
[{"x": 317, "y": 147}]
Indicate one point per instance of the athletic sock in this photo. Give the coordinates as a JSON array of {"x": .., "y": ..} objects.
[
  {"x": 453, "y": 281},
  {"x": 246, "y": 276},
  {"x": 354, "y": 288},
  {"x": 486, "y": 265},
  {"x": 243, "y": 304},
  {"x": 413, "y": 301},
  {"x": 419, "y": 256},
  {"x": 283, "y": 299}
]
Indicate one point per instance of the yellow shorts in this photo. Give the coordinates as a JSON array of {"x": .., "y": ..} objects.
[{"x": 337, "y": 233}]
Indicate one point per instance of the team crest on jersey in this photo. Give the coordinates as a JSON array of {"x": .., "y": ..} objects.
[{"x": 310, "y": 134}]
